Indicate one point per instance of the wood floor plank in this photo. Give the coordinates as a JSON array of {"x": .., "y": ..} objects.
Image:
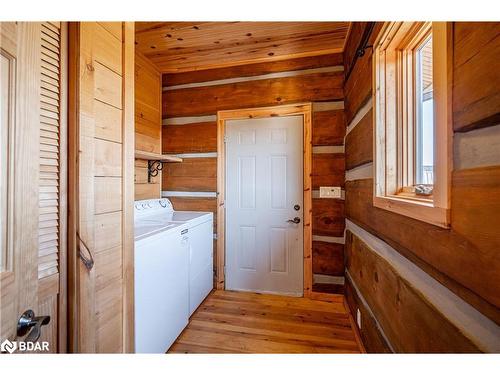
[{"x": 237, "y": 322}]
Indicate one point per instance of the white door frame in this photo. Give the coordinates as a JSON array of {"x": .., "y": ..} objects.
[{"x": 304, "y": 109}]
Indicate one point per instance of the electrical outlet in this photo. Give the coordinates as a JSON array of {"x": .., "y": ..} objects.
[
  {"x": 358, "y": 318},
  {"x": 330, "y": 192}
]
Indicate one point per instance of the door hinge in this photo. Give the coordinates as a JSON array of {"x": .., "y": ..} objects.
[{"x": 225, "y": 139}]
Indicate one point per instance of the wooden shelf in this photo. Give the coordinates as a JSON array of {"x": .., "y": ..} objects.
[{"x": 153, "y": 156}]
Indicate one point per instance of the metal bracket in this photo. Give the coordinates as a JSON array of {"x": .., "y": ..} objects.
[{"x": 154, "y": 166}]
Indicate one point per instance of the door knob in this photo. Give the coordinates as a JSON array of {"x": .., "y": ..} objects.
[
  {"x": 28, "y": 322},
  {"x": 295, "y": 220}
]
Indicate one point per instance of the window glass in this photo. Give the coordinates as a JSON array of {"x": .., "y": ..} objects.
[{"x": 424, "y": 115}]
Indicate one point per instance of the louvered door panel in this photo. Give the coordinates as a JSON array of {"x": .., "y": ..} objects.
[{"x": 50, "y": 118}]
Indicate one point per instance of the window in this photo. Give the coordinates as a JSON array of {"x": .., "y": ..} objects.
[{"x": 412, "y": 120}]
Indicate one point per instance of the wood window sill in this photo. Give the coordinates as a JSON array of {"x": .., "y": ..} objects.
[{"x": 419, "y": 209}]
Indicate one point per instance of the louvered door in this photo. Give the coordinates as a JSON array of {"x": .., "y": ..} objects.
[
  {"x": 52, "y": 182},
  {"x": 21, "y": 286}
]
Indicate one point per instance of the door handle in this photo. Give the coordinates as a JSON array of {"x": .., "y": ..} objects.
[
  {"x": 295, "y": 220},
  {"x": 28, "y": 322}
]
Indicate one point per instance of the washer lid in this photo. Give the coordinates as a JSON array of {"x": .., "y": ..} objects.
[{"x": 148, "y": 228}]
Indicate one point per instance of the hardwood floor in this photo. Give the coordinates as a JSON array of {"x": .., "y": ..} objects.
[{"x": 238, "y": 322}]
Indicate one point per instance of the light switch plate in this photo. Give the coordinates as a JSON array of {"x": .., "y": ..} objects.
[{"x": 330, "y": 192}]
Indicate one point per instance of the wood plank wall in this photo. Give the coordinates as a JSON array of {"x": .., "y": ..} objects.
[
  {"x": 101, "y": 91},
  {"x": 147, "y": 125},
  {"x": 190, "y": 104},
  {"x": 396, "y": 314}
]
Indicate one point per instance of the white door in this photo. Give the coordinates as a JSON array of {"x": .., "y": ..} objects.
[{"x": 264, "y": 190}]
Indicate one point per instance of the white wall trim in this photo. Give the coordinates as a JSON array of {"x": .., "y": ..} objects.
[
  {"x": 329, "y": 239},
  {"x": 194, "y": 155},
  {"x": 328, "y": 279},
  {"x": 197, "y": 194},
  {"x": 359, "y": 173},
  {"x": 291, "y": 73},
  {"x": 477, "y": 327},
  {"x": 327, "y": 106},
  {"x": 359, "y": 115},
  {"x": 477, "y": 148},
  {"x": 188, "y": 120},
  {"x": 328, "y": 149}
]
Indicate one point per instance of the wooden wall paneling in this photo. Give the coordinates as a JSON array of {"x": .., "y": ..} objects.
[
  {"x": 193, "y": 174},
  {"x": 104, "y": 313},
  {"x": 475, "y": 207},
  {"x": 359, "y": 143},
  {"x": 444, "y": 254},
  {"x": 371, "y": 335},
  {"x": 143, "y": 189},
  {"x": 352, "y": 43},
  {"x": 265, "y": 92},
  {"x": 148, "y": 128},
  {"x": 328, "y": 217},
  {"x": 147, "y": 105},
  {"x": 476, "y": 100},
  {"x": 194, "y": 204},
  {"x": 251, "y": 70},
  {"x": 147, "y": 191},
  {"x": 411, "y": 323},
  {"x": 108, "y": 122},
  {"x": 328, "y": 128},
  {"x": 188, "y": 138},
  {"x": 358, "y": 86},
  {"x": 328, "y": 170},
  {"x": 328, "y": 258}
]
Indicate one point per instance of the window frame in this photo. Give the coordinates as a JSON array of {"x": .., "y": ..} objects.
[{"x": 395, "y": 119}]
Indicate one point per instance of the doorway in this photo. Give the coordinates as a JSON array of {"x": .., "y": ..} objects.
[{"x": 264, "y": 196}]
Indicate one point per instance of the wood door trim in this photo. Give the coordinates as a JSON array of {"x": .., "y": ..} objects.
[
  {"x": 128, "y": 144},
  {"x": 63, "y": 203},
  {"x": 304, "y": 109},
  {"x": 73, "y": 171}
]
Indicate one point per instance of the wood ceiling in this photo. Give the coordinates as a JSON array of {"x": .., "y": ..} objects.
[{"x": 188, "y": 46}]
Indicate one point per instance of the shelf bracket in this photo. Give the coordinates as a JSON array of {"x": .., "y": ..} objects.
[{"x": 154, "y": 166}]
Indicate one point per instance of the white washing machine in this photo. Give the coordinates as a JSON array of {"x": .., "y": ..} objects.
[
  {"x": 161, "y": 285},
  {"x": 173, "y": 270}
]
